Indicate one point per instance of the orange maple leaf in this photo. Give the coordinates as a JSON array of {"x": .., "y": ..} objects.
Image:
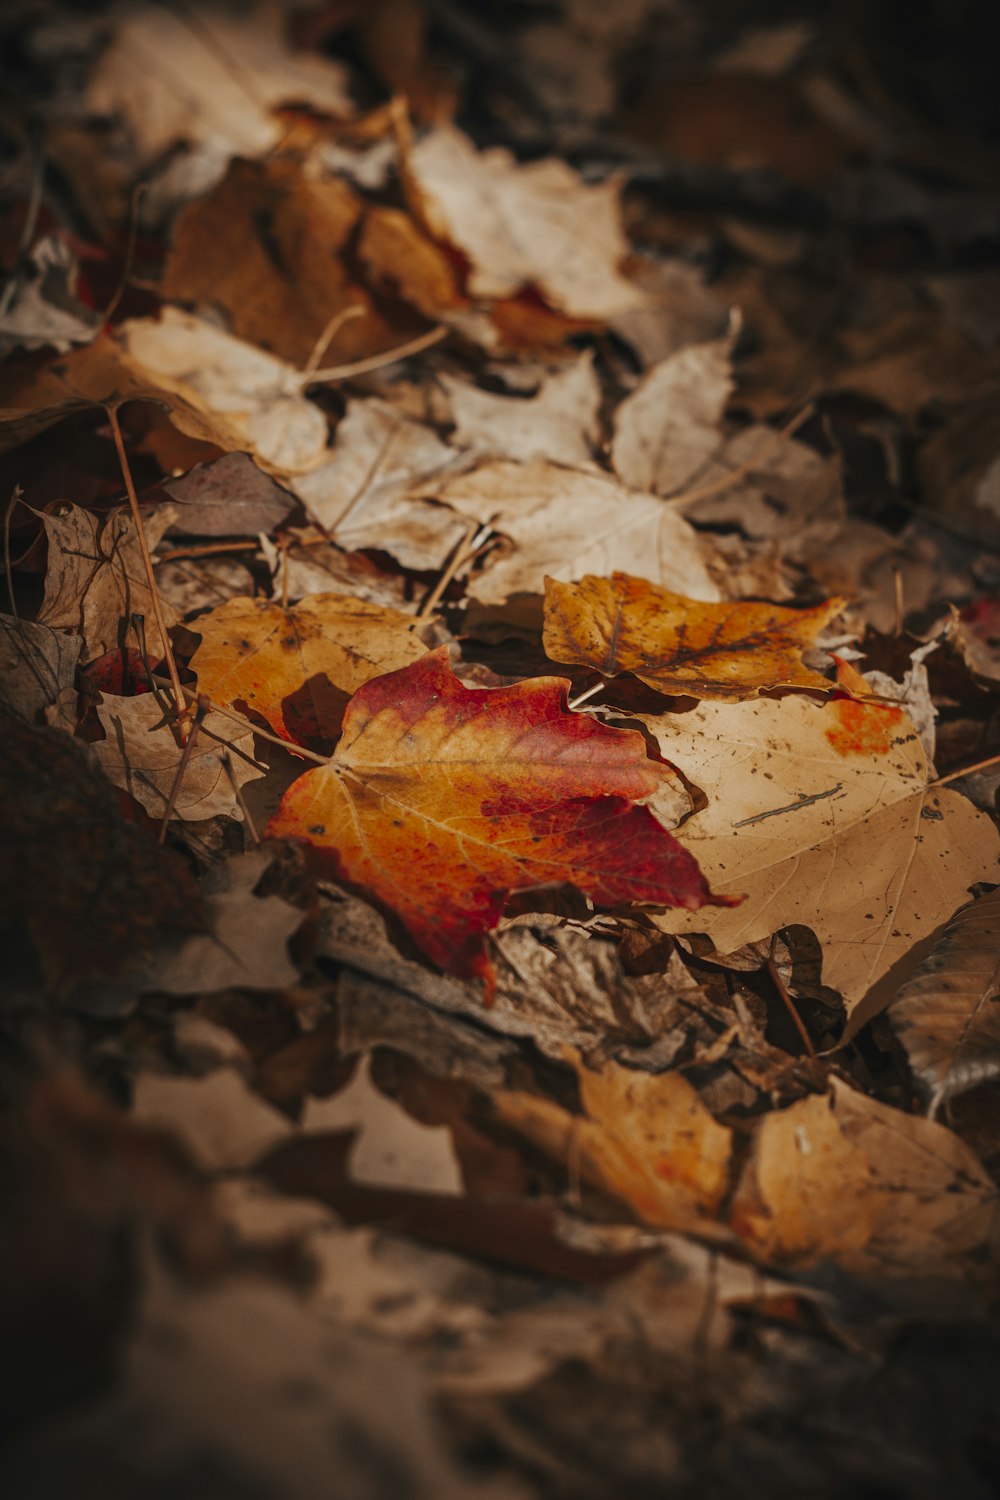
[
  {"x": 678, "y": 645},
  {"x": 441, "y": 800}
]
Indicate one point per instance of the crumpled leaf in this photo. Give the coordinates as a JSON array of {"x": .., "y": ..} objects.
[
  {"x": 44, "y": 310},
  {"x": 141, "y": 754},
  {"x": 645, "y": 1138},
  {"x": 535, "y": 225},
  {"x": 668, "y": 428},
  {"x": 947, "y": 1016},
  {"x": 95, "y": 580},
  {"x": 441, "y": 800},
  {"x": 820, "y": 813},
  {"x": 567, "y": 523},
  {"x": 38, "y": 670},
  {"x": 221, "y": 1121},
  {"x": 558, "y": 423},
  {"x": 846, "y": 1178},
  {"x": 117, "y": 892},
  {"x": 679, "y": 645},
  {"x": 252, "y": 396},
  {"x": 298, "y": 666},
  {"x": 174, "y": 81}
]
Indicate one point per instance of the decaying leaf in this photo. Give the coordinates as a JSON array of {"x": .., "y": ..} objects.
[
  {"x": 37, "y": 669},
  {"x": 568, "y": 523},
  {"x": 845, "y": 1178},
  {"x": 95, "y": 580},
  {"x": 668, "y": 429},
  {"x": 820, "y": 813},
  {"x": 141, "y": 753},
  {"x": 645, "y": 1138},
  {"x": 537, "y": 225},
  {"x": 230, "y": 497},
  {"x": 441, "y": 800},
  {"x": 297, "y": 667},
  {"x": 680, "y": 645},
  {"x": 948, "y": 1015}
]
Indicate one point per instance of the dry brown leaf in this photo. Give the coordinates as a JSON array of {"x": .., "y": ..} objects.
[
  {"x": 227, "y": 497},
  {"x": 359, "y": 494},
  {"x": 38, "y": 670},
  {"x": 221, "y": 1121},
  {"x": 248, "y": 398},
  {"x": 820, "y": 813},
  {"x": 680, "y": 310},
  {"x": 246, "y": 943},
  {"x": 567, "y": 523},
  {"x": 95, "y": 580},
  {"x": 141, "y": 754},
  {"x": 400, "y": 258},
  {"x": 668, "y": 428},
  {"x": 390, "y": 1148},
  {"x": 679, "y": 645},
  {"x": 297, "y": 667},
  {"x": 558, "y": 423},
  {"x": 267, "y": 246},
  {"x": 538, "y": 225},
  {"x": 845, "y": 1178},
  {"x": 948, "y": 1015},
  {"x": 645, "y": 1138},
  {"x": 175, "y": 81}
]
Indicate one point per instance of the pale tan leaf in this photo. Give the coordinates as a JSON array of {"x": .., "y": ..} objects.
[
  {"x": 558, "y": 423},
  {"x": 668, "y": 429},
  {"x": 948, "y": 1015},
  {"x": 820, "y": 814},
  {"x": 141, "y": 754},
  {"x": 37, "y": 665}
]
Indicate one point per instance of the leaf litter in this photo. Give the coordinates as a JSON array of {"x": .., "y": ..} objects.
[{"x": 410, "y": 403}]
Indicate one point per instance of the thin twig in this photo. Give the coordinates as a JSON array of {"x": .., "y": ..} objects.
[
  {"x": 747, "y": 467},
  {"x": 227, "y": 762},
  {"x": 333, "y": 327},
  {"x": 786, "y": 999},
  {"x": 377, "y": 361},
  {"x": 182, "y": 765},
  {"x": 207, "y": 549},
  {"x": 8, "y": 569},
  {"x": 183, "y": 717},
  {"x": 979, "y": 765},
  {"x": 461, "y": 552},
  {"x": 591, "y": 692}
]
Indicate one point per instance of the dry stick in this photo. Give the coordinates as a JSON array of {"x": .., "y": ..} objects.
[
  {"x": 8, "y": 570},
  {"x": 786, "y": 999},
  {"x": 227, "y": 713},
  {"x": 766, "y": 448},
  {"x": 591, "y": 692},
  {"x": 978, "y": 765},
  {"x": 182, "y": 765},
  {"x": 133, "y": 230},
  {"x": 227, "y": 763},
  {"x": 183, "y": 716},
  {"x": 377, "y": 361},
  {"x": 463, "y": 551},
  {"x": 208, "y": 549},
  {"x": 333, "y": 327}
]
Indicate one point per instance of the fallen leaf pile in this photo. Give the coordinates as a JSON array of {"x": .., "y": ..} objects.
[{"x": 498, "y": 689}]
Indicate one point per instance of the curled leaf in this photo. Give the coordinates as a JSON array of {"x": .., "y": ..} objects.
[{"x": 948, "y": 1015}]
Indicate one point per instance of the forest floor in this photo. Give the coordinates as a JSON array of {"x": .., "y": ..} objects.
[{"x": 500, "y": 646}]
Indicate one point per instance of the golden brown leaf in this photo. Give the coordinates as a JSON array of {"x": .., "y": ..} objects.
[
  {"x": 298, "y": 667},
  {"x": 679, "y": 645}
]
